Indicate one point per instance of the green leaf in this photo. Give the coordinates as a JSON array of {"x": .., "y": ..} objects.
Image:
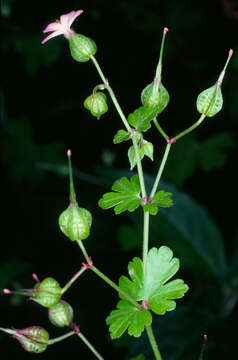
[
  {"x": 121, "y": 135},
  {"x": 126, "y": 195},
  {"x": 161, "y": 199},
  {"x": 134, "y": 287},
  {"x": 141, "y": 117},
  {"x": 127, "y": 316},
  {"x": 132, "y": 155},
  {"x": 151, "y": 285},
  {"x": 160, "y": 267},
  {"x": 149, "y": 149},
  {"x": 145, "y": 149}
]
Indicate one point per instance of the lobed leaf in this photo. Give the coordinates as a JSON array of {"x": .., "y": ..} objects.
[
  {"x": 127, "y": 316},
  {"x": 150, "y": 285},
  {"x": 121, "y": 135},
  {"x": 160, "y": 199},
  {"x": 141, "y": 117},
  {"x": 126, "y": 195}
]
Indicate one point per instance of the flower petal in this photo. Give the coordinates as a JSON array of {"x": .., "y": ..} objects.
[
  {"x": 53, "y": 34},
  {"x": 55, "y": 26},
  {"x": 68, "y": 19}
]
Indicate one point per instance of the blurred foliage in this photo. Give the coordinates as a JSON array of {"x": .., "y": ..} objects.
[{"x": 41, "y": 99}]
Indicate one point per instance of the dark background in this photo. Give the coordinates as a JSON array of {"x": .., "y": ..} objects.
[{"x": 42, "y": 115}]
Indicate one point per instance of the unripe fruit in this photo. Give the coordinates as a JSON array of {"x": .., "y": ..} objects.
[
  {"x": 61, "y": 314},
  {"x": 33, "y": 339},
  {"x": 75, "y": 222},
  {"x": 81, "y": 47},
  {"x": 48, "y": 292},
  {"x": 96, "y": 104},
  {"x": 152, "y": 98}
]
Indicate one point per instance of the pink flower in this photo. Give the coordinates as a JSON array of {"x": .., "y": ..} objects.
[{"x": 62, "y": 26}]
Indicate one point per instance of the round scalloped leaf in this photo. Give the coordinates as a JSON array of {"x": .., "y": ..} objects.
[{"x": 127, "y": 316}]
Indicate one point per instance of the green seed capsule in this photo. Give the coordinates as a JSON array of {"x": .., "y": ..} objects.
[
  {"x": 75, "y": 222},
  {"x": 210, "y": 101},
  {"x": 81, "y": 47},
  {"x": 33, "y": 339},
  {"x": 152, "y": 98},
  {"x": 96, "y": 104},
  {"x": 48, "y": 292},
  {"x": 61, "y": 314}
]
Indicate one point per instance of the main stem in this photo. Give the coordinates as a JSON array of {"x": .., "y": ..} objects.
[
  {"x": 153, "y": 342},
  {"x": 144, "y": 197},
  {"x": 145, "y": 237}
]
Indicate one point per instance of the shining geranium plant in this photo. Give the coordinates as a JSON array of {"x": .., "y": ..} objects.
[{"x": 151, "y": 287}]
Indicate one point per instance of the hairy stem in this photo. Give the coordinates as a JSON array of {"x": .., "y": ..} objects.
[
  {"x": 153, "y": 343},
  {"x": 60, "y": 338},
  {"x": 74, "y": 278},
  {"x": 185, "y": 132},
  {"x": 113, "y": 97},
  {"x": 90, "y": 346},
  {"x": 139, "y": 168},
  {"x": 145, "y": 237},
  {"x": 159, "y": 128},
  {"x": 160, "y": 171}
]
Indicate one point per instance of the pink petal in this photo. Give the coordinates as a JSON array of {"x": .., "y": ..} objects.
[
  {"x": 53, "y": 34},
  {"x": 68, "y": 19},
  {"x": 56, "y": 26}
]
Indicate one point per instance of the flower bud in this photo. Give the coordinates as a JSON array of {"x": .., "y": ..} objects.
[
  {"x": 61, "y": 314},
  {"x": 81, "y": 47},
  {"x": 33, "y": 339},
  {"x": 96, "y": 104},
  {"x": 47, "y": 292},
  {"x": 75, "y": 222},
  {"x": 152, "y": 98}
]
